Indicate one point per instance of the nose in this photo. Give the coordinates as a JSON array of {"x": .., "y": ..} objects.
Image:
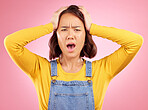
[
  {"x": 70, "y": 37},
  {"x": 70, "y": 34}
]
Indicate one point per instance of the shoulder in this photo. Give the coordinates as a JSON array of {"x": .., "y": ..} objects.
[{"x": 98, "y": 64}]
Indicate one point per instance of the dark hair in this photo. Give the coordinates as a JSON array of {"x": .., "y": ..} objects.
[{"x": 89, "y": 49}]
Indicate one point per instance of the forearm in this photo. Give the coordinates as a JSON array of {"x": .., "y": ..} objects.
[
  {"x": 23, "y": 37},
  {"x": 25, "y": 59},
  {"x": 131, "y": 41}
]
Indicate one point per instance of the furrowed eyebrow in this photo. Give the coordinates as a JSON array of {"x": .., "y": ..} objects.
[{"x": 68, "y": 26}]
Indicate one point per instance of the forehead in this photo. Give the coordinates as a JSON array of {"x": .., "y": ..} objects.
[{"x": 68, "y": 19}]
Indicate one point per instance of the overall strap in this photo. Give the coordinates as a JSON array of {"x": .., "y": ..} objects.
[
  {"x": 88, "y": 69},
  {"x": 53, "y": 68}
]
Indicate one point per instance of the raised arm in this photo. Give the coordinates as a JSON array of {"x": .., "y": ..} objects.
[
  {"x": 14, "y": 43},
  {"x": 23, "y": 58},
  {"x": 130, "y": 44}
]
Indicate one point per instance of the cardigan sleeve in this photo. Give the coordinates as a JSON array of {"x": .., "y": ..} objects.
[
  {"x": 23, "y": 58},
  {"x": 130, "y": 44}
]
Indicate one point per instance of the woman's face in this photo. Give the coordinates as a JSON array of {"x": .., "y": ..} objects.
[{"x": 71, "y": 35}]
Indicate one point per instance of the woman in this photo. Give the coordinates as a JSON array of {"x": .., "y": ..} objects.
[{"x": 68, "y": 81}]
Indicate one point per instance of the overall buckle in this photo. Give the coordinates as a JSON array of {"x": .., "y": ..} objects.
[
  {"x": 54, "y": 80},
  {"x": 89, "y": 81}
]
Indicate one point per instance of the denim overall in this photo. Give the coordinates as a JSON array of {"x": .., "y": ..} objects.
[{"x": 71, "y": 95}]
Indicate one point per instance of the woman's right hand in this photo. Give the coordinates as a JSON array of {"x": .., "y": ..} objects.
[{"x": 55, "y": 17}]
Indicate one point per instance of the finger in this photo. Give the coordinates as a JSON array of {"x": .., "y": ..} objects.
[
  {"x": 57, "y": 13},
  {"x": 82, "y": 8},
  {"x": 84, "y": 11},
  {"x": 61, "y": 9}
]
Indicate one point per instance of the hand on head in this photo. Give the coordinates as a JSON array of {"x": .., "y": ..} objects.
[
  {"x": 55, "y": 17},
  {"x": 88, "y": 20}
]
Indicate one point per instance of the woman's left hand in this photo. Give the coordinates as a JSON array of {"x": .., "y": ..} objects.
[{"x": 88, "y": 20}]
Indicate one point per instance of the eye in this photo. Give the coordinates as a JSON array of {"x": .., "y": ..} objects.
[
  {"x": 77, "y": 30},
  {"x": 64, "y": 30}
]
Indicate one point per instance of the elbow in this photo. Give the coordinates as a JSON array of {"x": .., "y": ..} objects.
[
  {"x": 134, "y": 48},
  {"x": 140, "y": 40},
  {"x": 6, "y": 42}
]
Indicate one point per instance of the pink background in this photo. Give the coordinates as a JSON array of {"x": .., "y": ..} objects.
[{"x": 127, "y": 91}]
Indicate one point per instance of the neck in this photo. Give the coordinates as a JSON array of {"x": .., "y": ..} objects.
[{"x": 70, "y": 61}]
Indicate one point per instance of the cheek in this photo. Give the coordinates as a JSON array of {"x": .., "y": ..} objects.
[
  {"x": 82, "y": 37},
  {"x": 81, "y": 40},
  {"x": 59, "y": 36},
  {"x": 60, "y": 41}
]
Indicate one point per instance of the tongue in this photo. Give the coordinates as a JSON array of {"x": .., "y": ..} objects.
[{"x": 71, "y": 47}]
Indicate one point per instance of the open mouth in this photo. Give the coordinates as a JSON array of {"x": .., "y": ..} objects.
[{"x": 71, "y": 47}]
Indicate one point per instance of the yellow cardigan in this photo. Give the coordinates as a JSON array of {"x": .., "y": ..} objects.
[{"x": 103, "y": 70}]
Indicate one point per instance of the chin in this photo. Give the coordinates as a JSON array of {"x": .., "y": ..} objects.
[{"x": 72, "y": 55}]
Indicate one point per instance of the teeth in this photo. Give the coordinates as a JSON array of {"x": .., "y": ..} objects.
[{"x": 71, "y": 46}]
